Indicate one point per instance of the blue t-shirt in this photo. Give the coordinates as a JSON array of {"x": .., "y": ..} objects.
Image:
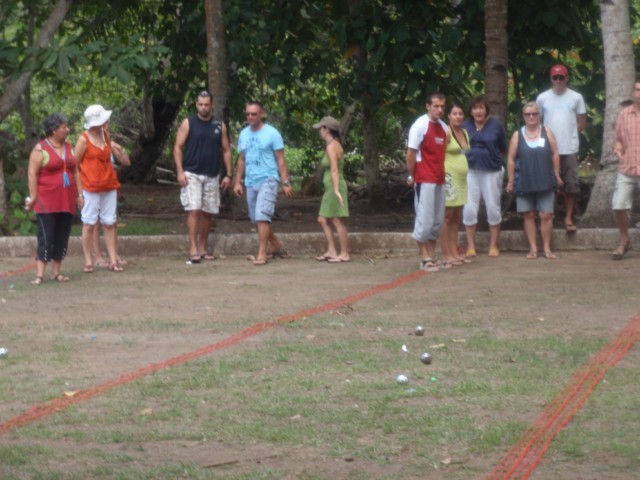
[
  {"x": 259, "y": 149},
  {"x": 486, "y": 146}
]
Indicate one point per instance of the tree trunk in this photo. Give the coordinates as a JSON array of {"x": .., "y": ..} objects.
[
  {"x": 619, "y": 77},
  {"x": 148, "y": 150},
  {"x": 14, "y": 89},
  {"x": 496, "y": 57},
  {"x": 375, "y": 188},
  {"x": 216, "y": 56}
]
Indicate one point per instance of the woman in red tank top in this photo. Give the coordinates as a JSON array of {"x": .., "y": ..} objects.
[{"x": 53, "y": 188}]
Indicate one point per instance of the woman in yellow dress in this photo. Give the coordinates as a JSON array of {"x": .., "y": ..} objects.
[{"x": 456, "y": 168}]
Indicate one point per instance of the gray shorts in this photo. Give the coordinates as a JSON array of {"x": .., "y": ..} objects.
[
  {"x": 539, "y": 202},
  {"x": 429, "y": 202},
  {"x": 569, "y": 173},
  {"x": 623, "y": 194},
  {"x": 261, "y": 200}
]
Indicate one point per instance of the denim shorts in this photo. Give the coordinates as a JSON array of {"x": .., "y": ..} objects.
[
  {"x": 261, "y": 200},
  {"x": 539, "y": 201},
  {"x": 623, "y": 194}
]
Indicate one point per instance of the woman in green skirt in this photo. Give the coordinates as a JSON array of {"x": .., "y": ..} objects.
[{"x": 334, "y": 206}]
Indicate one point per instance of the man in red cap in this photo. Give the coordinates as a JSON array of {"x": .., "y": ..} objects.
[{"x": 564, "y": 111}]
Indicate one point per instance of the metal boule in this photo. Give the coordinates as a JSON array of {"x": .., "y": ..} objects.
[
  {"x": 3, "y": 352},
  {"x": 425, "y": 358},
  {"x": 402, "y": 379},
  {"x": 419, "y": 331}
]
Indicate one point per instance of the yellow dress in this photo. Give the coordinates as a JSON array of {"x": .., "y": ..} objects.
[{"x": 456, "y": 168}]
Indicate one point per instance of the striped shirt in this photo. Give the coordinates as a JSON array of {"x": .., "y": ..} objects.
[{"x": 628, "y": 133}]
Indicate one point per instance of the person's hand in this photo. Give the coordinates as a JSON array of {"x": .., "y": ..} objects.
[
  {"x": 410, "y": 181},
  {"x": 238, "y": 190},
  {"x": 340, "y": 200},
  {"x": 509, "y": 187},
  {"x": 288, "y": 191},
  {"x": 29, "y": 202},
  {"x": 559, "y": 181},
  {"x": 226, "y": 181},
  {"x": 182, "y": 179},
  {"x": 80, "y": 201}
]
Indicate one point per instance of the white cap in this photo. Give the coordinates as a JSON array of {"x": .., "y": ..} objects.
[{"x": 96, "y": 115}]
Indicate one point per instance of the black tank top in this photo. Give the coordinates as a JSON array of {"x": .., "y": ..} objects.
[
  {"x": 203, "y": 152},
  {"x": 534, "y": 166}
]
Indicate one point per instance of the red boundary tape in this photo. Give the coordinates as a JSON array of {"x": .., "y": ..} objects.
[
  {"x": 523, "y": 458},
  {"x": 24, "y": 269},
  {"x": 60, "y": 403}
]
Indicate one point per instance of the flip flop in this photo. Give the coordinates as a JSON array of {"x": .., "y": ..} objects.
[
  {"x": 618, "y": 254},
  {"x": 549, "y": 255},
  {"x": 88, "y": 269},
  {"x": 338, "y": 260},
  {"x": 206, "y": 256},
  {"x": 323, "y": 258},
  {"x": 37, "y": 281},
  {"x": 60, "y": 278},
  {"x": 494, "y": 252},
  {"x": 428, "y": 265},
  {"x": 114, "y": 267},
  {"x": 570, "y": 228},
  {"x": 281, "y": 253},
  {"x": 258, "y": 262},
  {"x": 193, "y": 260},
  {"x": 471, "y": 252},
  {"x": 532, "y": 255}
]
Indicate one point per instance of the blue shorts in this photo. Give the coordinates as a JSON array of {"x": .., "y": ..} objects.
[
  {"x": 539, "y": 201},
  {"x": 261, "y": 200}
]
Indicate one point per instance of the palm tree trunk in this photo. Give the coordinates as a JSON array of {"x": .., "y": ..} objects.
[
  {"x": 619, "y": 77},
  {"x": 496, "y": 57},
  {"x": 216, "y": 56}
]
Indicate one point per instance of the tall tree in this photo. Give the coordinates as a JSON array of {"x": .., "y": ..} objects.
[
  {"x": 619, "y": 77},
  {"x": 216, "y": 56},
  {"x": 497, "y": 57}
]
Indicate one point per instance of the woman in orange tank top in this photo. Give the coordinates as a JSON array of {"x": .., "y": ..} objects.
[{"x": 99, "y": 184}]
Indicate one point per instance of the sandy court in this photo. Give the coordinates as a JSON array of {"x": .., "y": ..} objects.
[{"x": 72, "y": 336}]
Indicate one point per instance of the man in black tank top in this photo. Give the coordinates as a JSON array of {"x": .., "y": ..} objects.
[{"x": 202, "y": 145}]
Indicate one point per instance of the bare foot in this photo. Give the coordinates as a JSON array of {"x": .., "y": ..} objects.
[
  {"x": 548, "y": 254},
  {"x": 532, "y": 255}
]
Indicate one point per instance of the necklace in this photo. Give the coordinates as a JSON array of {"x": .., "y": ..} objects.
[{"x": 536, "y": 134}]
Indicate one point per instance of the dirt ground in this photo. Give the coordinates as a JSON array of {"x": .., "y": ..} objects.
[{"x": 66, "y": 337}]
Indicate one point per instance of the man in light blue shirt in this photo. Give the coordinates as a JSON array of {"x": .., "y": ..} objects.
[{"x": 262, "y": 165}]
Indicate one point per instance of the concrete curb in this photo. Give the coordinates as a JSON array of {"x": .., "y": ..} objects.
[{"x": 312, "y": 243}]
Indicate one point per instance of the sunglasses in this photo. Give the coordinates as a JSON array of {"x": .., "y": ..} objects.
[
  {"x": 531, "y": 114},
  {"x": 558, "y": 77},
  {"x": 251, "y": 114}
]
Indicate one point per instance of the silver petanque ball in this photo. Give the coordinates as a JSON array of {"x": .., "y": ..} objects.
[
  {"x": 419, "y": 331},
  {"x": 402, "y": 379},
  {"x": 3, "y": 352},
  {"x": 425, "y": 358}
]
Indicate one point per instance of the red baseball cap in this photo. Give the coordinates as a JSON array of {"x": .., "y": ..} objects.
[{"x": 559, "y": 70}]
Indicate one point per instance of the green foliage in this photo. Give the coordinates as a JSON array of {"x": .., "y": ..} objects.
[{"x": 18, "y": 220}]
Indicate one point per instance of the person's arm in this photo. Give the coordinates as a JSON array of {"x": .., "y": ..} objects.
[
  {"x": 237, "y": 183},
  {"x": 335, "y": 172},
  {"x": 284, "y": 174},
  {"x": 181, "y": 139},
  {"x": 618, "y": 146},
  {"x": 78, "y": 153},
  {"x": 555, "y": 156},
  {"x": 582, "y": 121},
  {"x": 226, "y": 158},
  {"x": 121, "y": 155},
  {"x": 411, "y": 165},
  {"x": 33, "y": 171},
  {"x": 511, "y": 161}
]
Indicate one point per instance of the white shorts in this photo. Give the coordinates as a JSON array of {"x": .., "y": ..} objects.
[
  {"x": 488, "y": 185},
  {"x": 623, "y": 194},
  {"x": 101, "y": 205},
  {"x": 201, "y": 193}
]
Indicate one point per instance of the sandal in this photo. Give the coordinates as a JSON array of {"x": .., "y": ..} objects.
[
  {"x": 532, "y": 255},
  {"x": 88, "y": 269},
  {"x": 206, "y": 257},
  {"x": 324, "y": 257},
  {"x": 494, "y": 252},
  {"x": 114, "y": 267},
  {"x": 281, "y": 253},
  {"x": 471, "y": 252},
  {"x": 428, "y": 265},
  {"x": 259, "y": 262},
  {"x": 621, "y": 251},
  {"x": 570, "y": 228},
  {"x": 549, "y": 255},
  {"x": 37, "y": 281},
  {"x": 60, "y": 278},
  {"x": 193, "y": 259}
]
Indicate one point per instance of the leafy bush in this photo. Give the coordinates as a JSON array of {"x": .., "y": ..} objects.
[{"x": 18, "y": 221}]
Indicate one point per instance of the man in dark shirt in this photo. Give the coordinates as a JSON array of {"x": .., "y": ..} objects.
[{"x": 206, "y": 147}]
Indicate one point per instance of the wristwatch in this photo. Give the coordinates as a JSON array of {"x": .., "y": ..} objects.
[
  {"x": 409, "y": 178},
  {"x": 286, "y": 183}
]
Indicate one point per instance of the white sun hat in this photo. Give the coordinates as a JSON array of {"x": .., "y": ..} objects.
[{"x": 96, "y": 115}]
